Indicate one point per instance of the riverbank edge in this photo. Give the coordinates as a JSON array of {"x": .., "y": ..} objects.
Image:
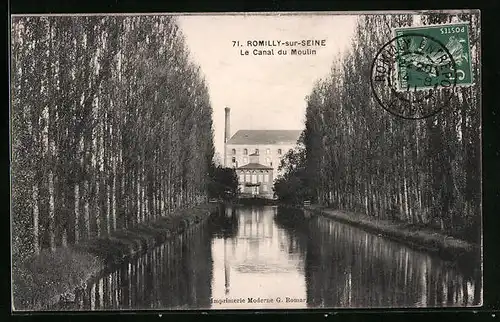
[
  {"x": 42, "y": 281},
  {"x": 446, "y": 247}
]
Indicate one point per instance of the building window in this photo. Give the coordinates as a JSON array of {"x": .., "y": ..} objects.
[
  {"x": 254, "y": 178},
  {"x": 271, "y": 164},
  {"x": 279, "y": 151},
  {"x": 268, "y": 151},
  {"x": 266, "y": 177},
  {"x": 233, "y": 160},
  {"x": 233, "y": 151},
  {"x": 256, "y": 151},
  {"x": 245, "y": 160},
  {"x": 245, "y": 151},
  {"x": 260, "y": 177},
  {"x": 241, "y": 178},
  {"x": 247, "y": 177},
  {"x": 264, "y": 188},
  {"x": 268, "y": 160}
]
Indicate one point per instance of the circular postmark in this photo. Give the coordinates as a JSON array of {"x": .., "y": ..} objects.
[{"x": 413, "y": 76}]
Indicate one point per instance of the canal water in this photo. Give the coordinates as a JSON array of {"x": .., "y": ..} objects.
[{"x": 260, "y": 257}]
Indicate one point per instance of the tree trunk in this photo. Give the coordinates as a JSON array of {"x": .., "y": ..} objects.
[
  {"x": 36, "y": 212},
  {"x": 77, "y": 211},
  {"x": 51, "y": 227}
]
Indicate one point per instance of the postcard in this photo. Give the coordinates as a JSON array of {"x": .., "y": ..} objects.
[{"x": 236, "y": 161}]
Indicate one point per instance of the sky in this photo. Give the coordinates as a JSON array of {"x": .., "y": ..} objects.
[{"x": 263, "y": 92}]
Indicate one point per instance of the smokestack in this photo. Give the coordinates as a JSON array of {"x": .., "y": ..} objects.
[{"x": 227, "y": 133}]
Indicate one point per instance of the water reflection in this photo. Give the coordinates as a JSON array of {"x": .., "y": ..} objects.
[
  {"x": 256, "y": 263},
  {"x": 175, "y": 275},
  {"x": 348, "y": 267},
  {"x": 268, "y": 253},
  {"x": 224, "y": 223}
]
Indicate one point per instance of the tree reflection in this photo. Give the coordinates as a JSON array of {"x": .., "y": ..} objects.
[
  {"x": 224, "y": 223},
  {"x": 295, "y": 228},
  {"x": 175, "y": 275},
  {"x": 348, "y": 267},
  {"x": 342, "y": 267}
]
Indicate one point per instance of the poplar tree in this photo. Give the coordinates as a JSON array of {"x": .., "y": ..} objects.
[
  {"x": 111, "y": 127},
  {"x": 360, "y": 158}
]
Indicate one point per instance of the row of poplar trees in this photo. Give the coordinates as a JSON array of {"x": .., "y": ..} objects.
[
  {"x": 361, "y": 158},
  {"x": 111, "y": 126}
]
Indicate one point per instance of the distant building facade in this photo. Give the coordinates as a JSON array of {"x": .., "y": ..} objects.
[
  {"x": 255, "y": 179},
  {"x": 257, "y": 152}
]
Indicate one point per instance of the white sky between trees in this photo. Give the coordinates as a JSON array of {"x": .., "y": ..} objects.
[{"x": 263, "y": 92}]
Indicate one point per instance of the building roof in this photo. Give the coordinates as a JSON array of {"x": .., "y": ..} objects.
[
  {"x": 265, "y": 137},
  {"x": 254, "y": 166}
]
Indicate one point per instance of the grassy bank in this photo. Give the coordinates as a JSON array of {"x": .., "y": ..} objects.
[
  {"x": 43, "y": 280},
  {"x": 422, "y": 238}
]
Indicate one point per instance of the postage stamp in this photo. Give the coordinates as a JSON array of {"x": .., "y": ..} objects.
[
  {"x": 422, "y": 50},
  {"x": 426, "y": 68}
]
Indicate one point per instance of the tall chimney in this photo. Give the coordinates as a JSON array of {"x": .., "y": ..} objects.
[{"x": 227, "y": 133}]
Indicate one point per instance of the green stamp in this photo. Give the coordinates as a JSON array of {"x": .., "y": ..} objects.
[{"x": 433, "y": 56}]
